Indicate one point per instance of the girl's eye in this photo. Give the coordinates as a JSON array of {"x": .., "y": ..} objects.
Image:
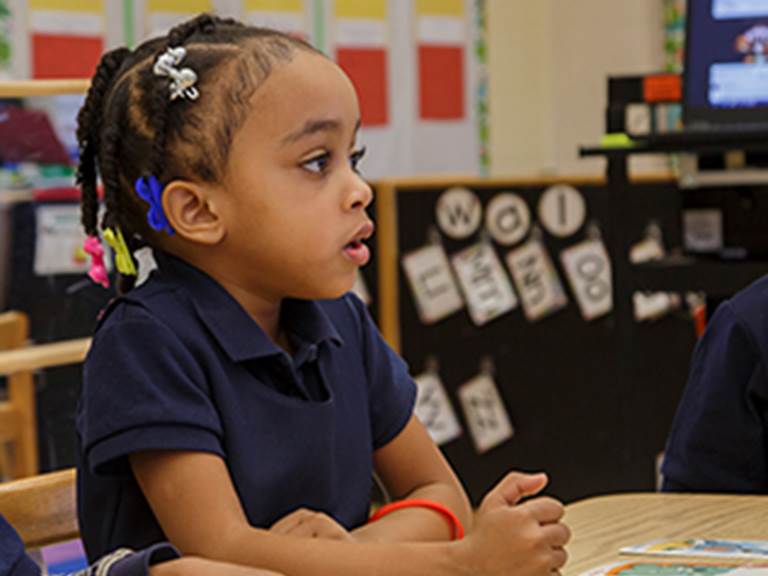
[
  {"x": 318, "y": 164},
  {"x": 356, "y": 157}
]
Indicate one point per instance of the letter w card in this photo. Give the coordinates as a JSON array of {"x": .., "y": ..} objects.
[
  {"x": 434, "y": 289},
  {"x": 434, "y": 410},
  {"x": 588, "y": 269},
  {"x": 486, "y": 416},
  {"x": 541, "y": 291},
  {"x": 486, "y": 286}
]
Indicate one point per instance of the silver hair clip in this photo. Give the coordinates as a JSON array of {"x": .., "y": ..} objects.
[{"x": 183, "y": 79}]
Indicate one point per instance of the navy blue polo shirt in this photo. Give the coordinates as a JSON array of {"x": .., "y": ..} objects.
[
  {"x": 719, "y": 437},
  {"x": 177, "y": 364}
]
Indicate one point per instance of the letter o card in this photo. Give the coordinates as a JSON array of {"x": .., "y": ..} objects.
[
  {"x": 540, "y": 289},
  {"x": 588, "y": 269},
  {"x": 486, "y": 287},
  {"x": 434, "y": 289},
  {"x": 434, "y": 410},
  {"x": 458, "y": 212},
  {"x": 507, "y": 218},
  {"x": 485, "y": 413}
]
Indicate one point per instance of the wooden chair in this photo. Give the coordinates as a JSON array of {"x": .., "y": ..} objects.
[
  {"x": 18, "y": 420},
  {"x": 42, "y": 509},
  {"x": 18, "y": 361}
]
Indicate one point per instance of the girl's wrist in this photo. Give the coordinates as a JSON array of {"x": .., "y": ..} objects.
[{"x": 455, "y": 525}]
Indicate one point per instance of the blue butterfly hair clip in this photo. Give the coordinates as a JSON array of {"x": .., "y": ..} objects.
[{"x": 151, "y": 191}]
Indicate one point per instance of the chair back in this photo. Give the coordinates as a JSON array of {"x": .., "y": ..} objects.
[
  {"x": 18, "y": 419},
  {"x": 42, "y": 509}
]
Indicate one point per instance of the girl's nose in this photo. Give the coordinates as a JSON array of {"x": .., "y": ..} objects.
[{"x": 360, "y": 194}]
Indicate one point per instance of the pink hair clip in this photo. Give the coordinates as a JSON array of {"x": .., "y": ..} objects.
[{"x": 97, "y": 271}]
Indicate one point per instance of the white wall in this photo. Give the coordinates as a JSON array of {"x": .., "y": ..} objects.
[{"x": 548, "y": 63}]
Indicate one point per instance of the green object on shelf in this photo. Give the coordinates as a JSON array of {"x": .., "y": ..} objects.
[
  {"x": 617, "y": 140},
  {"x": 56, "y": 170}
]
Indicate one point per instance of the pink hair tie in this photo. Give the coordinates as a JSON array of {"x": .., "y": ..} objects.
[{"x": 97, "y": 271}]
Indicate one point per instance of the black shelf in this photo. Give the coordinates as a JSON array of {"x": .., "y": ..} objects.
[
  {"x": 749, "y": 142},
  {"x": 717, "y": 278}
]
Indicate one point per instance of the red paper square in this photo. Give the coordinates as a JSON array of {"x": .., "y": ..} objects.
[
  {"x": 441, "y": 82},
  {"x": 60, "y": 56},
  {"x": 367, "y": 68}
]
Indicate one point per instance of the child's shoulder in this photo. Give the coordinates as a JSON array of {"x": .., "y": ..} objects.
[
  {"x": 153, "y": 301},
  {"x": 747, "y": 312}
]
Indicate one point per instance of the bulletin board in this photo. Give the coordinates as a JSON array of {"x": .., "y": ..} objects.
[
  {"x": 417, "y": 65},
  {"x": 558, "y": 377}
]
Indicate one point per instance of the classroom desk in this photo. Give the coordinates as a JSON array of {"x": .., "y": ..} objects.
[{"x": 602, "y": 525}]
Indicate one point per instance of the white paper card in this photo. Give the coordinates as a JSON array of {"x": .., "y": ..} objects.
[
  {"x": 486, "y": 415},
  {"x": 562, "y": 210},
  {"x": 485, "y": 285},
  {"x": 431, "y": 281},
  {"x": 434, "y": 410},
  {"x": 59, "y": 244},
  {"x": 507, "y": 218},
  {"x": 646, "y": 250},
  {"x": 588, "y": 269},
  {"x": 703, "y": 230},
  {"x": 653, "y": 305},
  {"x": 540, "y": 289},
  {"x": 458, "y": 212}
]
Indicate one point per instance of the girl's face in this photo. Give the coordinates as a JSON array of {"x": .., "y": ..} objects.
[{"x": 293, "y": 202}]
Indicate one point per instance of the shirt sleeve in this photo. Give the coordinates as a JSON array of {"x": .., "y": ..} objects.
[
  {"x": 138, "y": 563},
  {"x": 13, "y": 560},
  {"x": 392, "y": 392},
  {"x": 718, "y": 436},
  {"x": 142, "y": 390}
]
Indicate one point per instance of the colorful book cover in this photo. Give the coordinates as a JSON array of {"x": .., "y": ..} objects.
[
  {"x": 677, "y": 569},
  {"x": 702, "y": 547}
]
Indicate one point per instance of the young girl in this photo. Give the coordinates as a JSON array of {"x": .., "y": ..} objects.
[{"x": 238, "y": 402}]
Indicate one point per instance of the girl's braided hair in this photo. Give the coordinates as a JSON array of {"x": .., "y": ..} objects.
[{"x": 129, "y": 128}]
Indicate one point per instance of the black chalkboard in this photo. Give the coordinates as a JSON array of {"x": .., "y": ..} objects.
[{"x": 591, "y": 402}]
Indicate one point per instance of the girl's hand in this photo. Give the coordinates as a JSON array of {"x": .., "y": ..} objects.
[
  {"x": 512, "y": 538},
  {"x": 306, "y": 523}
]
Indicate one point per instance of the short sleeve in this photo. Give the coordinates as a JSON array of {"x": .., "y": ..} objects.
[
  {"x": 138, "y": 563},
  {"x": 717, "y": 441},
  {"x": 142, "y": 390},
  {"x": 392, "y": 391},
  {"x": 13, "y": 559}
]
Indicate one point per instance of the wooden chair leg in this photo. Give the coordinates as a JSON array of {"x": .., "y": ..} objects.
[{"x": 21, "y": 387}]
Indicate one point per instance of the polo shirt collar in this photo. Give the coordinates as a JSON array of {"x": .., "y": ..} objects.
[{"x": 234, "y": 329}]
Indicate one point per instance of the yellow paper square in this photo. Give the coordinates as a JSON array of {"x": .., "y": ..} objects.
[
  {"x": 440, "y": 7},
  {"x": 274, "y": 5},
  {"x": 68, "y": 5},
  {"x": 368, "y": 9},
  {"x": 181, "y": 6}
]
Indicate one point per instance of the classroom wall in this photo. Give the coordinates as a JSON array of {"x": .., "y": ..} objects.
[{"x": 548, "y": 63}]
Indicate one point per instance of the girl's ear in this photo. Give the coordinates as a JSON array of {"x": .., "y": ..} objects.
[{"x": 191, "y": 213}]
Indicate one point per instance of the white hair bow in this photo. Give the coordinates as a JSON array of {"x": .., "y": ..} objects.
[{"x": 183, "y": 79}]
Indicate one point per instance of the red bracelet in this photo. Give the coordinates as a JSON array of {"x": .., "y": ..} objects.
[{"x": 457, "y": 530}]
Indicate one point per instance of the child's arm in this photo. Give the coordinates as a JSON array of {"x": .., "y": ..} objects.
[
  {"x": 196, "y": 504},
  {"x": 411, "y": 466},
  {"x": 202, "y": 567}
]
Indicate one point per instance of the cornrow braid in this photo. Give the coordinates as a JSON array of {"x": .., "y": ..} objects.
[
  {"x": 88, "y": 134},
  {"x": 129, "y": 128},
  {"x": 178, "y": 36}
]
